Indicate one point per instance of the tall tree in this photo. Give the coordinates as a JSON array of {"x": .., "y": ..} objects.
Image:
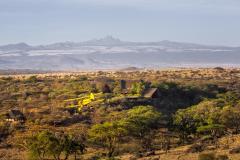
[
  {"x": 142, "y": 120},
  {"x": 108, "y": 135}
]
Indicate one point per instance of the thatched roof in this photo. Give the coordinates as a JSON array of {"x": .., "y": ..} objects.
[{"x": 151, "y": 93}]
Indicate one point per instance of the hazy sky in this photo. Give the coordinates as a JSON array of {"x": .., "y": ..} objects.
[{"x": 47, "y": 21}]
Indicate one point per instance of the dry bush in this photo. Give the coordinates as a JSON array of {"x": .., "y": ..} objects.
[{"x": 207, "y": 156}]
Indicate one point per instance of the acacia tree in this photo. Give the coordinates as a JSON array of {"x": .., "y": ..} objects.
[
  {"x": 108, "y": 135},
  {"x": 37, "y": 145},
  {"x": 71, "y": 145},
  {"x": 47, "y": 143},
  {"x": 185, "y": 124},
  {"x": 230, "y": 117},
  {"x": 203, "y": 119},
  {"x": 142, "y": 122}
]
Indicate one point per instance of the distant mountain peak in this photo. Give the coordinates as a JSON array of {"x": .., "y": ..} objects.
[
  {"x": 17, "y": 46},
  {"x": 108, "y": 40},
  {"x": 21, "y": 44}
]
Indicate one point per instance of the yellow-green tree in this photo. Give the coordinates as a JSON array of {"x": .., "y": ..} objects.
[
  {"x": 108, "y": 135},
  {"x": 142, "y": 121}
]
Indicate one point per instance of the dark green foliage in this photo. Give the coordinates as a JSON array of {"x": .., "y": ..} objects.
[
  {"x": 209, "y": 117},
  {"x": 175, "y": 96}
]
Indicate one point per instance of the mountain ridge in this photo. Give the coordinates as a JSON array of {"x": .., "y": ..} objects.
[
  {"x": 106, "y": 41},
  {"x": 113, "y": 53}
]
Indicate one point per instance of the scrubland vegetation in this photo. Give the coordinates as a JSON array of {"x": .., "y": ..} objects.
[{"x": 190, "y": 114}]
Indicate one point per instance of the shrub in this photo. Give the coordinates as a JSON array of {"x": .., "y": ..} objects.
[
  {"x": 32, "y": 79},
  {"x": 207, "y": 156},
  {"x": 222, "y": 157},
  {"x": 235, "y": 150},
  {"x": 5, "y": 131},
  {"x": 196, "y": 148}
]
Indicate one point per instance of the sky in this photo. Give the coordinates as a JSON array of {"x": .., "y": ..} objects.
[{"x": 212, "y": 22}]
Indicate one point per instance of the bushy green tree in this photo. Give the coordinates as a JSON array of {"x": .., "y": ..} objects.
[
  {"x": 138, "y": 88},
  {"x": 46, "y": 143},
  {"x": 230, "y": 117},
  {"x": 71, "y": 145},
  {"x": 142, "y": 120},
  {"x": 185, "y": 124},
  {"x": 32, "y": 79},
  {"x": 228, "y": 99},
  {"x": 38, "y": 144},
  {"x": 108, "y": 135},
  {"x": 205, "y": 115},
  {"x": 212, "y": 131}
]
